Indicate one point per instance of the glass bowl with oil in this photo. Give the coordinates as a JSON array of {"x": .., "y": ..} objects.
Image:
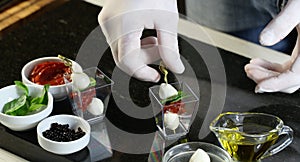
[{"x": 251, "y": 136}]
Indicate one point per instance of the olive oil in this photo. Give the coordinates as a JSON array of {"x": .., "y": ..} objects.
[{"x": 242, "y": 144}]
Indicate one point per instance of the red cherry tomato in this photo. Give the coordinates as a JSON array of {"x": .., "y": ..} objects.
[
  {"x": 175, "y": 107},
  {"x": 84, "y": 99}
]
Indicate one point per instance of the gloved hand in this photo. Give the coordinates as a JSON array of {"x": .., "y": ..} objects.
[
  {"x": 123, "y": 21},
  {"x": 273, "y": 77}
]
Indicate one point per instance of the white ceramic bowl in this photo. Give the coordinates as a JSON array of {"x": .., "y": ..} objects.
[
  {"x": 58, "y": 91},
  {"x": 64, "y": 148},
  {"x": 21, "y": 123}
]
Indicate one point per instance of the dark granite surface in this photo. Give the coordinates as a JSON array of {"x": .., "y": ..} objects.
[{"x": 63, "y": 31}]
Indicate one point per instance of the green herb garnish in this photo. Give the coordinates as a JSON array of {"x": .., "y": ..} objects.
[
  {"x": 92, "y": 82},
  {"x": 180, "y": 95},
  {"x": 25, "y": 104},
  {"x": 174, "y": 98}
]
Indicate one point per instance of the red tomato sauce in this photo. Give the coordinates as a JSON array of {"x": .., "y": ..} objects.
[{"x": 50, "y": 72}]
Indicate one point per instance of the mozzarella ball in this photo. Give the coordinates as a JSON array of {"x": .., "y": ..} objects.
[
  {"x": 171, "y": 120},
  {"x": 96, "y": 107},
  {"x": 80, "y": 80},
  {"x": 166, "y": 91},
  {"x": 200, "y": 155},
  {"x": 76, "y": 68}
]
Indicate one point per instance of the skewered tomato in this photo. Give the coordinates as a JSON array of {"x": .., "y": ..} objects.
[
  {"x": 175, "y": 107},
  {"x": 83, "y": 99}
]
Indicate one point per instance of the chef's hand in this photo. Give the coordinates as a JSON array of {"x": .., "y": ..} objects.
[
  {"x": 273, "y": 77},
  {"x": 123, "y": 21}
]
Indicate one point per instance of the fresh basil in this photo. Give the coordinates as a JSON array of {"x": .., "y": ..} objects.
[
  {"x": 22, "y": 86},
  {"x": 25, "y": 104},
  {"x": 35, "y": 107},
  {"x": 43, "y": 99},
  {"x": 15, "y": 104},
  {"x": 92, "y": 82},
  {"x": 180, "y": 95}
]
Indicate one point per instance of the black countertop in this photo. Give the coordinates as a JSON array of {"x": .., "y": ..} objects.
[{"x": 65, "y": 30}]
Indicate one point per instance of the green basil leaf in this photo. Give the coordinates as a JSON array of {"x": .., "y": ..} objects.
[
  {"x": 25, "y": 104},
  {"x": 23, "y": 110},
  {"x": 35, "y": 107},
  {"x": 20, "y": 112},
  {"x": 14, "y": 104},
  {"x": 43, "y": 99},
  {"x": 22, "y": 86},
  {"x": 92, "y": 82},
  {"x": 45, "y": 94},
  {"x": 180, "y": 98},
  {"x": 173, "y": 98}
]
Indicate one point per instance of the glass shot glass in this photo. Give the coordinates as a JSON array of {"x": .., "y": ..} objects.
[
  {"x": 173, "y": 119},
  {"x": 90, "y": 103}
]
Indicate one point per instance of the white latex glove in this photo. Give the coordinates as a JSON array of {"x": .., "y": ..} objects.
[
  {"x": 273, "y": 77},
  {"x": 123, "y": 21}
]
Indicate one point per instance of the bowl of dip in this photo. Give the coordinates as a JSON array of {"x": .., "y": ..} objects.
[{"x": 48, "y": 70}]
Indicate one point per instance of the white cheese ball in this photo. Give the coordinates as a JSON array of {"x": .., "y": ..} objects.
[
  {"x": 171, "y": 120},
  {"x": 76, "y": 68},
  {"x": 80, "y": 80},
  {"x": 96, "y": 107},
  {"x": 166, "y": 91},
  {"x": 200, "y": 156}
]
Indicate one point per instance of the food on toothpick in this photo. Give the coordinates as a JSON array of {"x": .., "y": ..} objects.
[
  {"x": 200, "y": 156},
  {"x": 96, "y": 107},
  {"x": 171, "y": 120},
  {"x": 87, "y": 100},
  {"x": 85, "y": 92},
  {"x": 166, "y": 90},
  {"x": 171, "y": 100},
  {"x": 174, "y": 104},
  {"x": 176, "y": 107},
  {"x": 84, "y": 98},
  {"x": 80, "y": 80}
]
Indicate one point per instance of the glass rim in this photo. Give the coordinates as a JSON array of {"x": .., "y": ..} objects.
[
  {"x": 194, "y": 96},
  {"x": 97, "y": 86}
]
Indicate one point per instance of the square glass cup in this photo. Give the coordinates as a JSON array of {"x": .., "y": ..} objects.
[
  {"x": 174, "y": 119},
  {"x": 90, "y": 103}
]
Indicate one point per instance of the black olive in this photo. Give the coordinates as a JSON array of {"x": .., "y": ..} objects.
[{"x": 62, "y": 133}]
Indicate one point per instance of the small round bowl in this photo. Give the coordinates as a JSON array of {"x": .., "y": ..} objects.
[
  {"x": 183, "y": 152},
  {"x": 64, "y": 148},
  {"x": 22, "y": 123},
  {"x": 58, "y": 91}
]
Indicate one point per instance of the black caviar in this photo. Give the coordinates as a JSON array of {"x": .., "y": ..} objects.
[{"x": 62, "y": 133}]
